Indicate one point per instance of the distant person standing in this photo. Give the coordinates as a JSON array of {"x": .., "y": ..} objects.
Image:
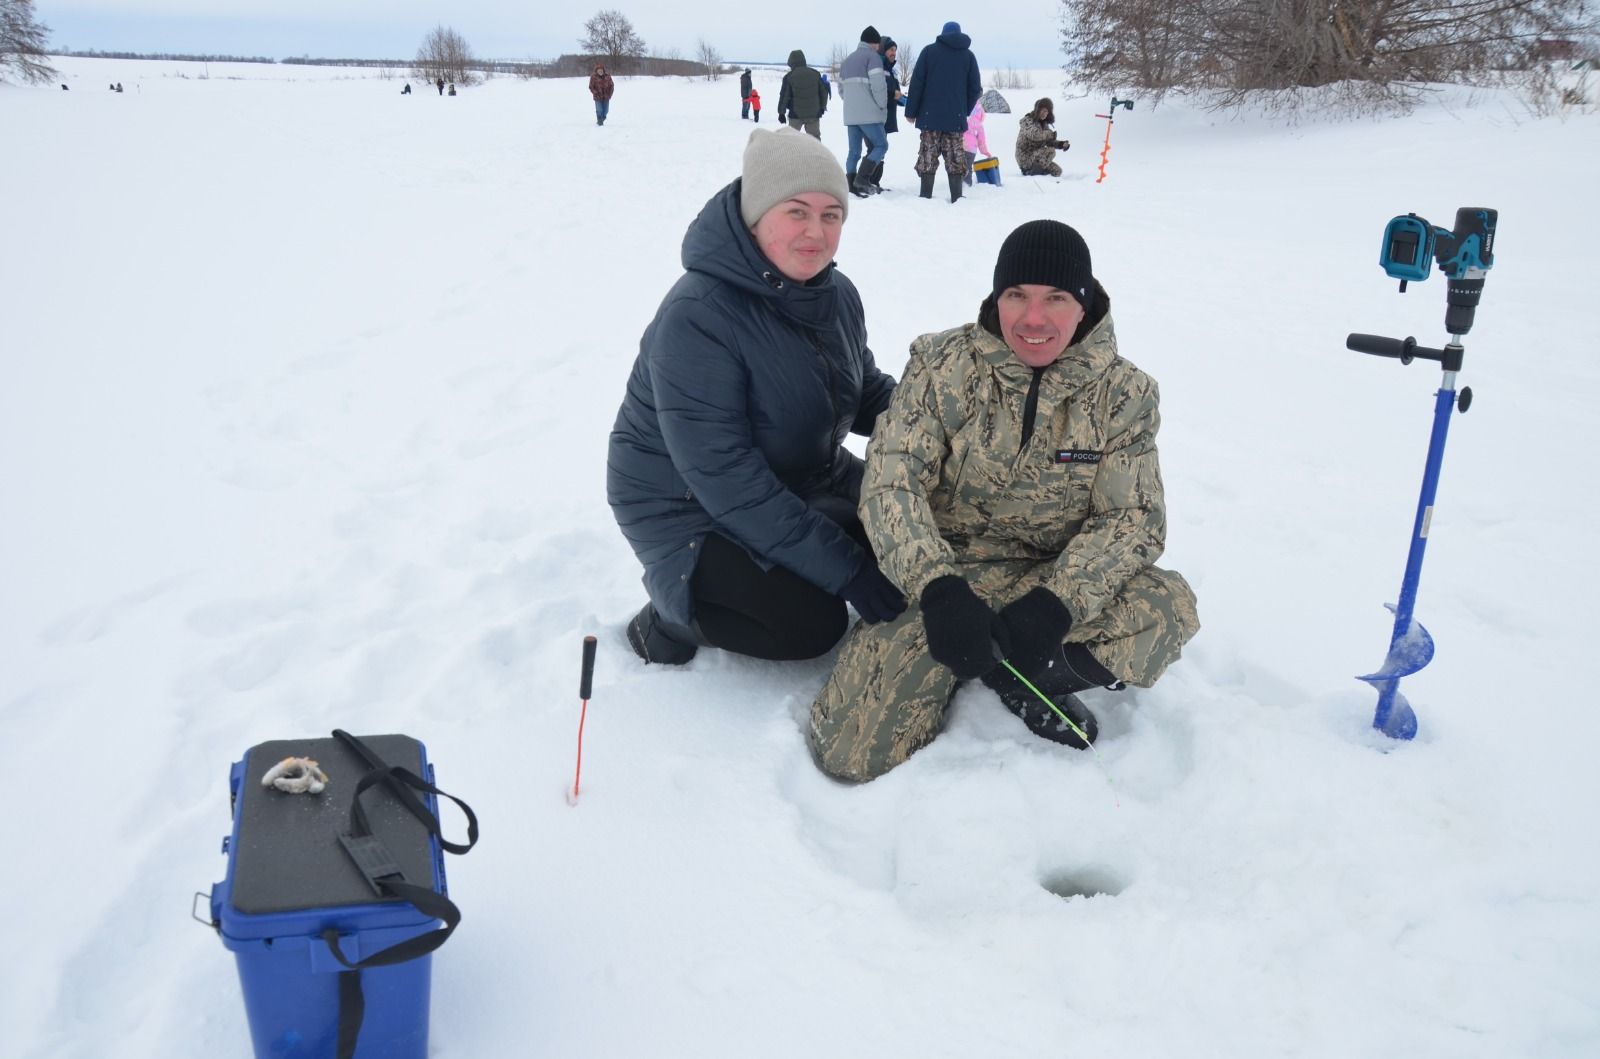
[
  {"x": 452, "y": 89},
  {"x": 801, "y": 102},
  {"x": 440, "y": 83},
  {"x": 406, "y": 91},
  {"x": 745, "y": 87},
  {"x": 755, "y": 106},
  {"x": 891, "y": 122},
  {"x": 866, "y": 108},
  {"x": 600, "y": 87},
  {"x": 944, "y": 86}
]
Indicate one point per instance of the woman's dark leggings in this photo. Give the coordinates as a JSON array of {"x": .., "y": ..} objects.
[{"x": 773, "y": 614}]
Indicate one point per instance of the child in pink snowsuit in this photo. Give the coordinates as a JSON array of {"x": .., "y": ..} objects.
[{"x": 973, "y": 140}]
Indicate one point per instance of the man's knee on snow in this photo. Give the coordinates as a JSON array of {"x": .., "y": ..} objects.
[{"x": 840, "y": 751}]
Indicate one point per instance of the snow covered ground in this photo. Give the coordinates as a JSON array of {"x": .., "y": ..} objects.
[{"x": 304, "y": 394}]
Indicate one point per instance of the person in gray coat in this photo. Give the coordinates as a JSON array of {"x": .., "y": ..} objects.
[
  {"x": 866, "y": 108},
  {"x": 725, "y": 469}
]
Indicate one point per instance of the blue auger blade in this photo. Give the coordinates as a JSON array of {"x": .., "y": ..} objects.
[
  {"x": 1395, "y": 717},
  {"x": 1410, "y": 649}
]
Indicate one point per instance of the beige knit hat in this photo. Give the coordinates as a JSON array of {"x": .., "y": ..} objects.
[{"x": 779, "y": 165}]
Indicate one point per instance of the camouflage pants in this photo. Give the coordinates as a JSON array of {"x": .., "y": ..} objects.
[
  {"x": 886, "y": 697},
  {"x": 935, "y": 144}
]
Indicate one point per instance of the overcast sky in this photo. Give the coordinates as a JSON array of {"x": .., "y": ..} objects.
[{"x": 1020, "y": 33}]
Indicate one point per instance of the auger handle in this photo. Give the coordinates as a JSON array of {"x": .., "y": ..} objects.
[
  {"x": 1379, "y": 346},
  {"x": 1405, "y": 350}
]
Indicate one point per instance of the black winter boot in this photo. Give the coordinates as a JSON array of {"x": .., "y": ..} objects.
[
  {"x": 955, "y": 188},
  {"x": 1073, "y": 671},
  {"x": 877, "y": 178},
  {"x": 656, "y": 640},
  {"x": 861, "y": 186},
  {"x": 927, "y": 185}
]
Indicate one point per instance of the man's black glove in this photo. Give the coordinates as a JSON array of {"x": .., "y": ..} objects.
[
  {"x": 874, "y": 596},
  {"x": 1062, "y": 145},
  {"x": 781, "y": 119},
  {"x": 962, "y": 631},
  {"x": 1035, "y": 625}
]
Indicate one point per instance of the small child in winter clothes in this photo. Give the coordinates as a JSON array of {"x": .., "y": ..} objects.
[
  {"x": 973, "y": 140},
  {"x": 755, "y": 104}
]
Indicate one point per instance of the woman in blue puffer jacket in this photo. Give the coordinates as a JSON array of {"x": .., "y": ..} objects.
[{"x": 725, "y": 469}]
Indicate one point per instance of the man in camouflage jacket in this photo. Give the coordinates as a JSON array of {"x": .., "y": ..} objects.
[
  {"x": 1012, "y": 488},
  {"x": 1037, "y": 142}
]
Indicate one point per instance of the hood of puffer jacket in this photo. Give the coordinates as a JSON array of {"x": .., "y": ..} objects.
[
  {"x": 797, "y": 59},
  {"x": 958, "y": 41},
  {"x": 719, "y": 246}
]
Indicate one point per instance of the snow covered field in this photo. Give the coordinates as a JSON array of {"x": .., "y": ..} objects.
[{"x": 304, "y": 392}]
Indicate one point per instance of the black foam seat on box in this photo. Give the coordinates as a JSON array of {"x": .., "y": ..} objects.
[{"x": 288, "y": 855}]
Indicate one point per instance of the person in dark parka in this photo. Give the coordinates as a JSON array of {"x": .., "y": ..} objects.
[
  {"x": 801, "y": 101},
  {"x": 891, "y": 122},
  {"x": 601, "y": 87},
  {"x": 745, "y": 85},
  {"x": 725, "y": 469},
  {"x": 944, "y": 85}
]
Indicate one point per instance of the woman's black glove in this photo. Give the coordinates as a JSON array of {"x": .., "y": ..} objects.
[
  {"x": 1035, "y": 624},
  {"x": 962, "y": 631},
  {"x": 874, "y": 596}
]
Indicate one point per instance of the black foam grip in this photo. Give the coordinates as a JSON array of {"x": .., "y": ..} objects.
[
  {"x": 1378, "y": 345},
  {"x": 586, "y": 682}
]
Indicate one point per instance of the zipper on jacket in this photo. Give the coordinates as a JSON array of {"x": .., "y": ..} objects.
[
  {"x": 827, "y": 372},
  {"x": 1030, "y": 410}
]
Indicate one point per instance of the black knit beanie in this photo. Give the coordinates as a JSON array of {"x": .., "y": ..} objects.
[
  {"x": 1048, "y": 253},
  {"x": 870, "y": 36}
]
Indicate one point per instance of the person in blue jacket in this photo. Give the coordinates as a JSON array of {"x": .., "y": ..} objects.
[
  {"x": 725, "y": 469},
  {"x": 944, "y": 86}
]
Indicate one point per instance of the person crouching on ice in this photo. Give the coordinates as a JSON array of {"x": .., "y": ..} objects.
[
  {"x": 726, "y": 470},
  {"x": 1013, "y": 492}
]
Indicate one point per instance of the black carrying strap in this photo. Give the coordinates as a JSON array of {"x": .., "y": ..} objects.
[{"x": 378, "y": 867}]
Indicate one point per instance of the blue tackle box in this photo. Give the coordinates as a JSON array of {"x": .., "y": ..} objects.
[{"x": 294, "y": 894}]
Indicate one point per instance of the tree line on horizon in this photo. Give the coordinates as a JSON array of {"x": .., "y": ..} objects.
[{"x": 1321, "y": 54}]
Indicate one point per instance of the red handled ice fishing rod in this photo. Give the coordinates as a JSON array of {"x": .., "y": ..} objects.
[
  {"x": 1465, "y": 254},
  {"x": 585, "y": 686}
]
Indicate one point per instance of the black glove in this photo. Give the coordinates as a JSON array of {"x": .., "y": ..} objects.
[
  {"x": 1035, "y": 624},
  {"x": 781, "y": 119},
  {"x": 1062, "y": 145},
  {"x": 874, "y": 596},
  {"x": 962, "y": 631}
]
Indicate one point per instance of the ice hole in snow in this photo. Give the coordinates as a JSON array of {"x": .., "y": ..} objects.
[{"x": 1083, "y": 882}]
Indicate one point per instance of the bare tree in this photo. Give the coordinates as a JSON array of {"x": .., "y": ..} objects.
[
  {"x": 22, "y": 43},
  {"x": 444, "y": 53},
  {"x": 906, "y": 61},
  {"x": 1010, "y": 77},
  {"x": 710, "y": 58},
  {"x": 610, "y": 34},
  {"x": 1361, "y": 54},
  {"x": 837, "y": 55}
]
